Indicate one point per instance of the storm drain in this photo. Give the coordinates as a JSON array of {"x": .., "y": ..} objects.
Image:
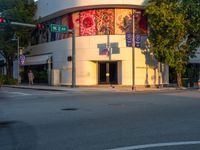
[{"x": 69, "y": 109}]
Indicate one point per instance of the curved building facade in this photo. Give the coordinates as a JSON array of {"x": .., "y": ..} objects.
[{"x": 104, "y": 55}]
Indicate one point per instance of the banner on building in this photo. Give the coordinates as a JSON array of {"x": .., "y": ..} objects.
[
  {"x": 129, "y": 41},
  {"x": 137, "y": 40},
  {"x": 22, "y": 59}
]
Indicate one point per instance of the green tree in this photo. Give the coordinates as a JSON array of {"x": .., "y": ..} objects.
[
  {"x": 174, "y": 32},
  {"x": 18, "y": 11}
]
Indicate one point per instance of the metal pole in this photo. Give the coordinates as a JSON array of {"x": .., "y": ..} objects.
[
  {"x": 49, "y": 72},
  {"x": 73, "y": 59},
  {"x": 133, "y": 54},
  {"x": 18, "y": 67},
  {"x": 108, "y": 42},
  {"x": 23, "y": 24}
]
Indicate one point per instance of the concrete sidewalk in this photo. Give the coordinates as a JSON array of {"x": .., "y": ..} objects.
[{"x": 103, "y": 88}]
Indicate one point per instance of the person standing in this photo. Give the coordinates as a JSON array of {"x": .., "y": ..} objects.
[{"x": 30, "y": 77}]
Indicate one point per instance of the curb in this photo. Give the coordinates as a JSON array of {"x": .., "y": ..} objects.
[
  {"x": 34, "y": 88},
  {"x": 115, "y": 90}
]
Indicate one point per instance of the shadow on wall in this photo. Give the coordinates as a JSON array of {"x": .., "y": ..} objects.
[{"x": 160, "y": 70}]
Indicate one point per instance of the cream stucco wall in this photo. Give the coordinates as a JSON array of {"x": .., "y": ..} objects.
[
  {"x": 87, "y": 48},
  {"x": 87, "y": 56}
]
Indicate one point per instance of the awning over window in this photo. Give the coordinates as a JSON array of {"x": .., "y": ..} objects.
[{"x": 37, "y": 60}]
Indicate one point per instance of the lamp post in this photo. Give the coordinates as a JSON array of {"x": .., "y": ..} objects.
[
  {"x": 16, "y": 38},
  {"x": 135, "y": 14},
  {"x": 133, "y": 52}
]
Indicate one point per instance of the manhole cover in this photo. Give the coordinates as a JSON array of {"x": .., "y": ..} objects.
[{"x": 69, "y": 109}]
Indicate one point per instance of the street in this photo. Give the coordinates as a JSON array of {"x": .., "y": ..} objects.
[{"x": 84, "y": 120}]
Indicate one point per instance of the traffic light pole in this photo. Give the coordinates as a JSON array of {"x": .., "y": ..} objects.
[
  {"x": 73, "y": 58},
  {"x": 18, "y": 61},
  {"x": 18, "y": 67},
  {"x": 73, "y": 49},
  {"x": 23, "y": 24}
]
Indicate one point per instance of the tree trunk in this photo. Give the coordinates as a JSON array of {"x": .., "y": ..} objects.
[
  {"x": 179, "y": 80},
  {"x": 9, "y": 65}
]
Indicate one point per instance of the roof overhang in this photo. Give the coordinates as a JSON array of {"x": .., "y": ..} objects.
[{"x": 37, "y": 60}]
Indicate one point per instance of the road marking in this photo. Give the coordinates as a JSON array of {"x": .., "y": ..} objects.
[
  {"x": 157, "y": 145},
  {"x": 19, "y": 93}
]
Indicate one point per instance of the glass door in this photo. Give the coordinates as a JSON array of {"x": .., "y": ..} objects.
[{"x": 108, "y": 73}]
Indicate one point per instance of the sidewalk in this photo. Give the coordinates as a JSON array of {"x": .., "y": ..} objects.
[{"x": 104, "y": 88}]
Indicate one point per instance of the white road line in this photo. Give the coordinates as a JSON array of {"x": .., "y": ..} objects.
[
  {"x": 19, "y": 93},
  {"x": 157, "y": 145}
]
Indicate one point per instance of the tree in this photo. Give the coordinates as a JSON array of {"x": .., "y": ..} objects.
[
  {"x": 174, "y": 32},
  {"x": 18, "y": 11}
]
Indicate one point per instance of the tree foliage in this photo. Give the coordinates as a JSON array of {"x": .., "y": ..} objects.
[
  {"x": 17, "y": 11},
  {"x": 174, "y": 31}
]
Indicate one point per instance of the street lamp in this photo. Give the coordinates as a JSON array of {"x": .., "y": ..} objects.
[
  {"x": 133, "y": 52},
  {"x": 135, "y": 14},
  {"x": 16, "y": 38}
]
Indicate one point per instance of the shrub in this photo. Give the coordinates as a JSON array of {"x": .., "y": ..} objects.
[
  {"x": 11, "y": 81},
  {"x": 7, "y": 80},
  {"x": 2, "y": 79}
]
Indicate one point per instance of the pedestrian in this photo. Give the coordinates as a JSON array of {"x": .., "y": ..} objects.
[{"x": 30, "y": 77}]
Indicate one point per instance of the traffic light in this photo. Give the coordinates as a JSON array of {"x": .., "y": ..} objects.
[
  {"x": 40, "y": 26},
  {"x": 3, "y": 21}
]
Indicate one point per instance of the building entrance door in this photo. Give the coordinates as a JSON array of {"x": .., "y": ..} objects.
[{"x": 108, "y": 73}]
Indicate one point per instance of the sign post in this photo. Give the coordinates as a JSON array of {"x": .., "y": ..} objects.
[
  {"x": 133, "y": 52},
  {"x": 65, "y": 29}
]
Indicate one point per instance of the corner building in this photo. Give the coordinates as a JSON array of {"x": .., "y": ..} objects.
[{"x": 102, "y": 55}]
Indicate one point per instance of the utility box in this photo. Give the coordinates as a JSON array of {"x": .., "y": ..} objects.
[{"x": 55, "y": 77}]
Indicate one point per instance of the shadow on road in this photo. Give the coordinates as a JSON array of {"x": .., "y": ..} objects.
[{"x": 16, "y": 135}]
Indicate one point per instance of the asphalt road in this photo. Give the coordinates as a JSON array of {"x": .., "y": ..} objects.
[{"x": 57, "y": 120}]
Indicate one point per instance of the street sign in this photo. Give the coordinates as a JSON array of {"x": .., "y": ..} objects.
[
  {"x": 129, "y": 41},
  {"x": 22, "y": 59},
  {"x": 58, "y": 28}
]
